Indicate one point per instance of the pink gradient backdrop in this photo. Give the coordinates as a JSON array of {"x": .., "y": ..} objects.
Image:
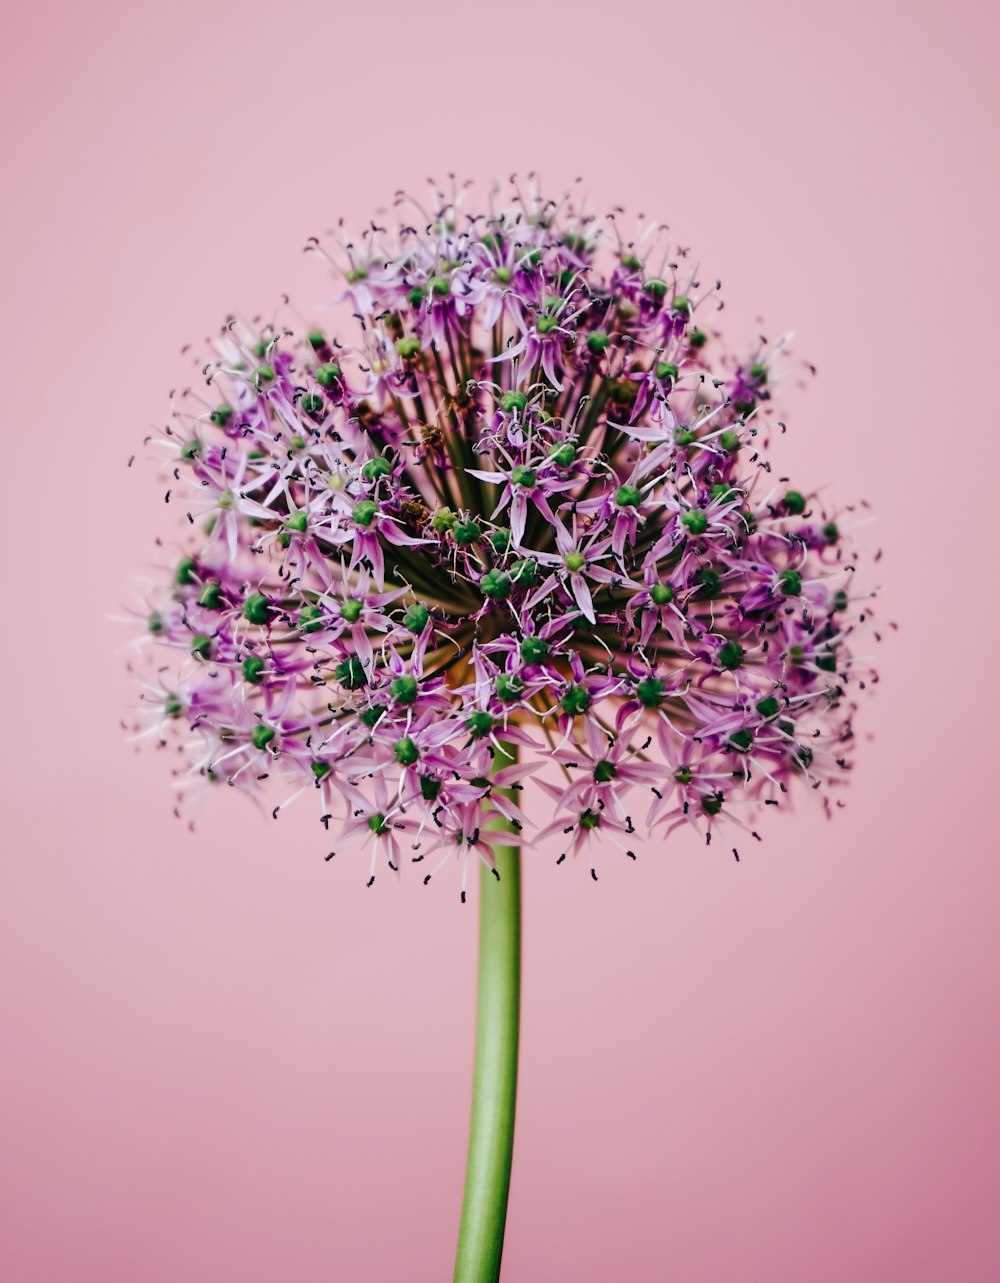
[{"x": 226, "y": 1060}]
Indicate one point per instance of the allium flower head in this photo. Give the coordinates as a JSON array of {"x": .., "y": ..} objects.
[{"x": 513, "y": 529}]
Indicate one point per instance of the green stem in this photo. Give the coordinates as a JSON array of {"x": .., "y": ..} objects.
[{"x": 494, "y": 1080}]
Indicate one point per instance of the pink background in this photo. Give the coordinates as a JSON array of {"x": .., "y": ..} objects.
[{"x": 225, "y": 1059}]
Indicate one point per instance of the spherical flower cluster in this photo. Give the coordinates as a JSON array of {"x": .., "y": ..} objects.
[{"x": 516, "y": 532}]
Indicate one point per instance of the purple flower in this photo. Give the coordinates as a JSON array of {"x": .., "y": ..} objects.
[{"x": 518, "y": 515}]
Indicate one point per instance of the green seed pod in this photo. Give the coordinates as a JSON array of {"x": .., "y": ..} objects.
[
  {"x": 534, "y": 650},
  {"x": 513, "y": 402},
  {"x": 731, "y": 655},
  {"x": 186, "y": 569},
  {"x": 479, "y": 724},
  {"x": 525, "y": 573},
  {"x": 442, "y": 520},
  {"x": 253, "y": 670},
  {"x": 310, "y": 618},
  {"x": 495, "y": 584},
  {"x": 257, "y": 608},
  {"x": 501, "y": 539},
  {"x": 695, "y": 521},
  {"x": 211, "y": 595},
  {"x": 651, "y": 692},
  {"x": 405, "y": 689},
  {"x": 416, "y": 617},
  {"x": 795, "y": 503},
  {"x": 372, "y": 469},
  {"x": 576, "y": 700},
  {"x": 466, "y": 533},
  {"x": 350, "y": 673},
  {"x": 509, "y": 687}
]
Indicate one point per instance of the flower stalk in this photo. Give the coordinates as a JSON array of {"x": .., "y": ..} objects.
[{"x": 494, "y": 1082}]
